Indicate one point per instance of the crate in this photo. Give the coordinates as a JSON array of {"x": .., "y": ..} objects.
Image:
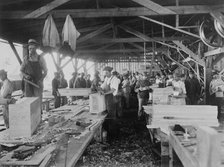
[
  {"x": 24, "y": 117},
  {"x": 97, "y": 103}
]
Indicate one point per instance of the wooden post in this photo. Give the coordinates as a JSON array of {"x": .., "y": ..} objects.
[
  {"x": 15, "y": 52},
  {"x": 177, "y": 16}
]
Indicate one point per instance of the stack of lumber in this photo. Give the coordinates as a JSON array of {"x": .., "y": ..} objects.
[
  {"x": 24, "y": 117},
  {"x": 161, "y": 95},
  {"x": 75, "y": 92},
  {"x": 163, "y": 116},
  {"x": 202, "y": 148}
]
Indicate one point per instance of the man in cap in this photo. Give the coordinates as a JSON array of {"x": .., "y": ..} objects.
[
  {"x": 110, "y": 89},
  {"x": 34, "y": 71},
  {"x": 194, "y": 90},
  {"x": 55, "y": 92},
  {"x": 6, "y": 92}
]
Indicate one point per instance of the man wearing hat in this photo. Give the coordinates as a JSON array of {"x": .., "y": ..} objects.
[
  {"x": 110, "y": 89},
  {"x": 6, "y": 92},
  {"x": 55, "y": 92},
  {"x": 194, "y": 90},
  {"x": 34, "y": 71}
]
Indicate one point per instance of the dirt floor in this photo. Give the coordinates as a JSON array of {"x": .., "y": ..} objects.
[{"x": 132, "y": 147}]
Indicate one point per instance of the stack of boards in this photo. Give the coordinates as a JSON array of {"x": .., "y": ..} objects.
[{"x": 163, "y": 116}]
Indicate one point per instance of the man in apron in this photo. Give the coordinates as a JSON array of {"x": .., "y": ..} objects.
[
  {"x": 34, "y": 70},
  {"x": 5, "y": 95},
  {"x": 110, "y": 89}
]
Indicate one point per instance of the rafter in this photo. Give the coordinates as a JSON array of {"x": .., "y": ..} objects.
[
  {"x": 143, "y": 36},
  {"x": 169, "y": 26},
  {"x": 44, "y": 9},
  {"x": 94, "y": 33},
  {"x": 112, "y": 12},
  {"x": 155, "y": 7},
  {"x": 133, "y": 39},
  {"x": 190, "y": 53}
]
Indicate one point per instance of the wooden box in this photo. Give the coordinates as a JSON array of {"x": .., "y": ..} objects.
[
  {"x": 24, "y": 117},
  {"x": 97, "y": 103},
  {"x": 161, "y": 95}
]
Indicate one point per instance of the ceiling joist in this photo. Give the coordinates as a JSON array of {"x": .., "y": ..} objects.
[
  {"x": 110, "y": 12},
  {"x": 155, "y": 7},
  {"x": 95, "y": 33},
  {"x": 169, "y": 26},
  {"x": 44, "y": 9}
]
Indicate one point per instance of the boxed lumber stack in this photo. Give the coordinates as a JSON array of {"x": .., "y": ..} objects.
[
  {"x": 24, "y": 117},
  {"x": 97, "y": 103},
  {"x": 161, "y": 95}
]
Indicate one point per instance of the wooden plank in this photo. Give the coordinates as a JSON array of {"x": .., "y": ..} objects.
[
  {"x": 130, "y": 40},
  {"x": 155, "y": 7},
  {"x": 214, "y": 52},
  {"x": 75, "y": 91},
  {"x": 142, "y": 36},
  {"x": 94, "y": 33},
  {"x": 190, "y": 53},
  {"x": 24, "y": 117},
  {"x": 169, "y": 26},
  {"x": 113, "y": 12},
  {"x": 185, "y": 156},
  {"x": 44, "y": 9},
  {"x": 116, "y": 51},
  {"x": 208, "y": 147}
]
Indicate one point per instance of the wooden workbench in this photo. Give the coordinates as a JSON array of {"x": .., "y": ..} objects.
[
  {"x": 76, "y": 144},
  {"x": 203, "y": 147}
]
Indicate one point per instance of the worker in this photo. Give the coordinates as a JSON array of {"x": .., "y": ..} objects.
[
  {"x": 194, "y": 89},
  {"x": 169, "y": 80},
  {"x": 88, "y": 81},
  {"x": 80, "y": 82},
  {"x": 126, "y": 90},
  {"x": 217, "y": 88},
  {"x": 55, "y": 92},
  {"x": 178, "y": 85},
  {"x": 34, "y": 70},
  {"x": 63, "y": 84},
  {"x": 6, "y": 92},
  {"x": 110, "y": 89},
  {"x": 96, "y": 82},
  {"x": 73, "y": 79},
  {"x": 142, "y": 88}
]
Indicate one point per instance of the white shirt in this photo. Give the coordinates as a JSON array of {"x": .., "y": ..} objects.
[
  {"x": 6, "y": 89},
  {"x": 180, "y": 86},
  {"x": 113, "y": 82}
]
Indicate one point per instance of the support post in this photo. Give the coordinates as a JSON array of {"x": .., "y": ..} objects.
[{"x": 15, "y": 52}]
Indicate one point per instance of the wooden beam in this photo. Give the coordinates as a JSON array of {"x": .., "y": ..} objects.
[
  {"x": 15, "y": 52},
  {"x": 190, "y": 53},
  {"x": 143, "y": 36},
  {"x": 130, "y": 40},
  {"x": 114, "y": 51},
  {"x": 44, "y": 9},
  {"x": 112, "y": 12},
  {"x": 169, "y": 26},
  {"x": 214, "y": 52},
  {"x": 155, "y": 7},
  {"x": 105, "y": 46},
  {"x": 94, "y": 33}
]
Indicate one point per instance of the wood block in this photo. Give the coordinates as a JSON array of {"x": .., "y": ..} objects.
[
  {"x": 209, "y": 147},
  {"x": 24, "y": 117},
  {"x": 161, "y": 95},
  {"x": 75, "y": 92},
  {"x": 97, "y": 103}
]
